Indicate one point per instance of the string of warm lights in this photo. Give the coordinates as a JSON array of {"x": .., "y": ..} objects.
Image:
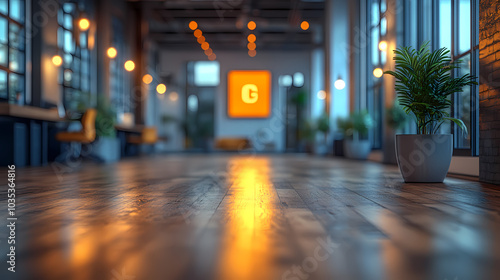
[
  {"x": 84, "y": 25},
  {"x": 379, "y": 72},
  {"x": 252, "y": 52},
  {"x": 205, "y": 46},
  {"x": 304, "y": 25},
  {"x": 129, "y": 65}
]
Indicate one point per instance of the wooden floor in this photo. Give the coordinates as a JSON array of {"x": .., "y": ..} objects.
[{"x": 242, "y": 217}]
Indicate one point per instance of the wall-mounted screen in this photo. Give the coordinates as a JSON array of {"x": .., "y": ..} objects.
[
  {"x": 206, "y": 73},
  {"x": 249, "y": 94}
]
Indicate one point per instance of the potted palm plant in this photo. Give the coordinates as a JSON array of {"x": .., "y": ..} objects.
[
  {"x": 307, "y": 135},
  {"x": 106, "y": 147},
  {"x": 355, "y": 129},
  {"x": 424, "y": 85},
  {"x": 323, "y": 127}
]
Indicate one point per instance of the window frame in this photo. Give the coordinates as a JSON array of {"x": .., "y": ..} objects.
[
  {"x": 373, "y": 102},
  {"x": 117, "y": 74},
  {"x": 431, "y": 33},
  {"x": 77, "y": 54},
  {"x": 7, "y": 68},
  {"x": 473, "y": 52}
]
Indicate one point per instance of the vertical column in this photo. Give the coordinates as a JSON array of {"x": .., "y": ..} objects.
[
  {"x": 337, "y": 53},
  {"x": 139, "y": 101}
]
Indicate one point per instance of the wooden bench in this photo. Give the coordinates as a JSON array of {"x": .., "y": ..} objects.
[{"x": 232, "y": 144}]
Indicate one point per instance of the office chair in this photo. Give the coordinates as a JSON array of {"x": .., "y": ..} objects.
[
  {"x": 148, "y": 136},
  {"x": 85, "y": 136}
]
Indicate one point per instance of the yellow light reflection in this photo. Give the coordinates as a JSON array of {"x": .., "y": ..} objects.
[{"x": 247, "y": 244}]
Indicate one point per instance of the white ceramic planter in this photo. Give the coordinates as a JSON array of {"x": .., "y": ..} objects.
[
  {"x": 106, "y": 149},
  {"x": 424, "y": 158}
]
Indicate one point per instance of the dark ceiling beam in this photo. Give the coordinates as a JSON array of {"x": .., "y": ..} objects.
[
  {"x": 223, "y": 22},
  {"x": 227, "y": 4},
  {"x": 231, "y": 14}
]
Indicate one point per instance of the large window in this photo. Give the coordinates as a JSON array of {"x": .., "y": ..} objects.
[
  {"x": 118, "y": 77},
  {"x": 12, "y": 51},
  {"x": 458, "y": 31},
  {"x": 74, "y": 76},
  {"x": 452, "y": 24},
  {"x": 377, "y": 28}
]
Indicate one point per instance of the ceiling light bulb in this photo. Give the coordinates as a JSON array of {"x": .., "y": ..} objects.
[
  {"x": 339, "y": 84},
  {"x": 378, "y": 72}
]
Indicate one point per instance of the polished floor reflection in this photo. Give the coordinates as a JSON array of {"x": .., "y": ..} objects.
[{"x": 244, "y": 217}]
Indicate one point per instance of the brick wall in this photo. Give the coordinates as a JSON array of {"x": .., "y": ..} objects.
[{"x": 489, "y": 91}]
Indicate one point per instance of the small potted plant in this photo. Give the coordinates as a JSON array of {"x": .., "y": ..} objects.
[
  {"x": 107, "y": 146},
  {"x": 424, "y": 84},
  {"x": 355, "y": 128},
  {"x": 323, "y": 127},
  {"x": 307, "y": 135}
]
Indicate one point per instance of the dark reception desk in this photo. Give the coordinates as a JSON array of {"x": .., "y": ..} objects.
[{"x": 25, "y": 134}]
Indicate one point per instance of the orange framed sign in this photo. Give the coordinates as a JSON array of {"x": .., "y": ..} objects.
[{"x": 249, "y": 94}]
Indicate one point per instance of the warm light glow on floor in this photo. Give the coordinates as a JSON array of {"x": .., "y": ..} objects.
[
  {"x": 251, "y": 212},
  {"x": 252, "y": 53}
]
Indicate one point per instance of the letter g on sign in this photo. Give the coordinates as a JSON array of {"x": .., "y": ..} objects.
[{"x": 249, "y": 93}]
